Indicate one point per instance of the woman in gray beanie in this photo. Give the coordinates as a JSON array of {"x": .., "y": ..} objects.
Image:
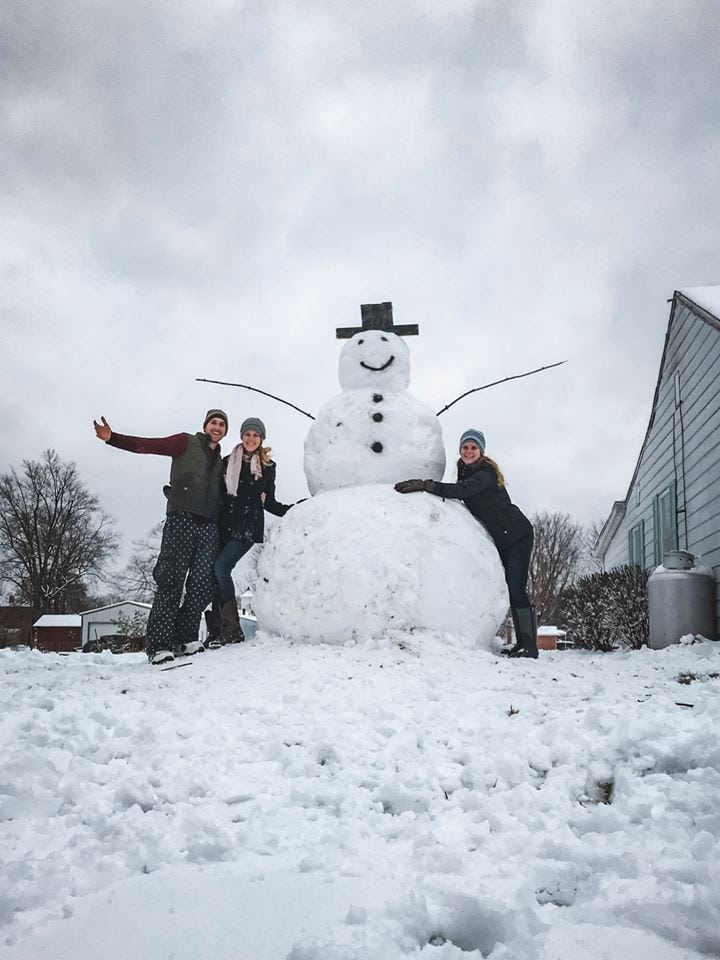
[
  {"x": 481, "y": 486},
  {"x": 248, "y": 488}
]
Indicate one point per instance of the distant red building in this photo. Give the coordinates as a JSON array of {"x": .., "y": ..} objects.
[
  {"x": 552, "y": 638},
  {"x": 16, "y": 625},
  {"x": 57, "y": 633}
]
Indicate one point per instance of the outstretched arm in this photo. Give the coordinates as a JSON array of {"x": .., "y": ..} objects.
[
  {"x": 171, "y": 446},
  {"x": 480, "y": 483},
  {"x": 270, "y": 503}
]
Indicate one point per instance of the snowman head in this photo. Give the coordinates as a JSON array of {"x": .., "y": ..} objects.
[{"x": 375, "y": 359}]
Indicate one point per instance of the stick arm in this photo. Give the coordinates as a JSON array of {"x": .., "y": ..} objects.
[
  {"x": 494, "y": 383},
  {"x": 245, "y": 386}
]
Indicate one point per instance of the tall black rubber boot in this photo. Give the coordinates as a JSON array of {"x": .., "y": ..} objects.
[{"x": 526, "y": 630}]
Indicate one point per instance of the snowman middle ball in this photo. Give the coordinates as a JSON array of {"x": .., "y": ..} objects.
[{"x": 375, "y": 431}]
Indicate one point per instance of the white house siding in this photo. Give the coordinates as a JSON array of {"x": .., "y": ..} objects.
[
  {"x": 102, "y": 622},
  {"x": 693, "y": 349}
]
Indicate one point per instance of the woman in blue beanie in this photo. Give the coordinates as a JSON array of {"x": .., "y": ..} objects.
[
  {"x": 248, "y": 489},
  {"x": 481, "y": 486}
]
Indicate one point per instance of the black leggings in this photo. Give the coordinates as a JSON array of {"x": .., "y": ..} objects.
[{"x": 516, "y": 561}]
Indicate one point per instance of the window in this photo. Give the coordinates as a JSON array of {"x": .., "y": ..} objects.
[
  {"x": 665, "y": 522},
  {"x": 636, "y": 544}
]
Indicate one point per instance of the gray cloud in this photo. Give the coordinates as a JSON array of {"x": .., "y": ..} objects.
[{"x": 209, "y": 192}]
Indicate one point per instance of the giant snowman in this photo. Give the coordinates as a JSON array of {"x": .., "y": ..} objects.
[{"x": 359, "y": 560}]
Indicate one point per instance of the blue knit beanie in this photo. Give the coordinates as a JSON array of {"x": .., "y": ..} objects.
[
  {"x": 477, "y": 436},
  {"x": 253, "y": 423}
]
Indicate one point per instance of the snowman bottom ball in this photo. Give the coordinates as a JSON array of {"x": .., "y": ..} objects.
[{"x": 355, "y": 563}]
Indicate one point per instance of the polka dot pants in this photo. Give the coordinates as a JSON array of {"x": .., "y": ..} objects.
[{"x": 187, "y": 553}]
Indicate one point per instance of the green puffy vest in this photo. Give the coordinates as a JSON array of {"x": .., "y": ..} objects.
[{"x": 195, "y": 478}]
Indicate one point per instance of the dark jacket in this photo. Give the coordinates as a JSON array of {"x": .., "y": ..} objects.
[
  {"x": 195, "y": 479},
  {"x": 242, "y": 516},
  {"x": 490, "y": 503},
  {"x": 194, "y": 473}
]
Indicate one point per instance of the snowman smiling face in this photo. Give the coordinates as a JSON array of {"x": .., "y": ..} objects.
[{"x": 375, "y": 360}]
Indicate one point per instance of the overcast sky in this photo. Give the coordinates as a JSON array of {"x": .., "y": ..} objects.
[{"x": 210, "y": 190}]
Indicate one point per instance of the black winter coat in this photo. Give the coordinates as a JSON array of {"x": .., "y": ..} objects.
[
  {"x": 490, "y": 503},
  {"x": 242, "y": 516}
]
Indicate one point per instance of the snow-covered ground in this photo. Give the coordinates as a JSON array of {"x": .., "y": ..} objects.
[{"x": 413, "y": 798}]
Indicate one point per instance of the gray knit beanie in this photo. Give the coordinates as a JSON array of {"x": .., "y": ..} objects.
[
  {"x": 216, "y": 413},
  {"x": 477, "y": 436},
  {"x": 253, "y": 423}
]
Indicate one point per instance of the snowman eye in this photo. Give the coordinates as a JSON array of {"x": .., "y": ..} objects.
[
  {"x": 360, "y": 341},
  {"x": 384, "y": 338}
]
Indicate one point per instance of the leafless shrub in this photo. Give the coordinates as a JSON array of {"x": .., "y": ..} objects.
[{"x": 605, "y": 610}]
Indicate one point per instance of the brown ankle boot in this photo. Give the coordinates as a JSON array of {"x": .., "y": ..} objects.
[{"x": 230, "y": 630}]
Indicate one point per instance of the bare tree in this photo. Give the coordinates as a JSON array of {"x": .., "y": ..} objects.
[
  {"x": 54, "y": 536},
  {"x": 589, "y": 562},
  {"x": 135, "y": 581},
  {"x": 555, "y": 560}
]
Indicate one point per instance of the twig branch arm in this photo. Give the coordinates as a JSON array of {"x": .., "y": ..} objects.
[
  {"x": 517, "y": 376},
  {"x": 226, "y": 383}
]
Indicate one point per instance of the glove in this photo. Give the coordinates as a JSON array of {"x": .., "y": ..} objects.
[{"x": 412, "y": 486}]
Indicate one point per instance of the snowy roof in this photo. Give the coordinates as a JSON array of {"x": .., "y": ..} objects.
[
  {"x": 59, "y": 620},
  {"x": 550, "y": 631},
  {"x": 706, "y": 297},
  {"x": 609, "y": 528},
  {"x": 112, "y": 606}
]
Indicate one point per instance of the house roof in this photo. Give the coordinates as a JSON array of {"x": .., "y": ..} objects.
[
  {"x": 704, "y": 302},
  {"x": 609, "y": 528},
  {"x": 706, "y": 297},
  {"x": 59, "y": 620},
  {"x": 550, "y": 631},
  {"x": 113, "y": 606}
]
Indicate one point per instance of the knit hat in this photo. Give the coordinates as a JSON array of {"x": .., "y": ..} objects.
[
  {"x": 254, "y": 423},
  {"x": 477, "y": 436},
  {"x": 216, "y": 413}
]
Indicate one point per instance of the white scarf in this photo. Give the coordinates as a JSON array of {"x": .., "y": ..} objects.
[{"x": 235, "y": 462}]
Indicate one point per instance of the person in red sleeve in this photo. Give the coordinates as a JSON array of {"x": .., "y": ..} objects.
[{"x": 190, "y": 536}]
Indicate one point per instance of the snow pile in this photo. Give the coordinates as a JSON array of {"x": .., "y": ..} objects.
[
  {"x": 415, "y": 799},
  {"x": 349, "y": 564}
]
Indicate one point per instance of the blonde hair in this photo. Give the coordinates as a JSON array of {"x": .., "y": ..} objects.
[
  {"x": 496, "y": 468},
  {"x": 265, "y": 458}
]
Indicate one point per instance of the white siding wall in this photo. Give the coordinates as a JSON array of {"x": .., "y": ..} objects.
[
  {"x": 101, "y": 623},
  {"x": 693, "y": 349}
]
